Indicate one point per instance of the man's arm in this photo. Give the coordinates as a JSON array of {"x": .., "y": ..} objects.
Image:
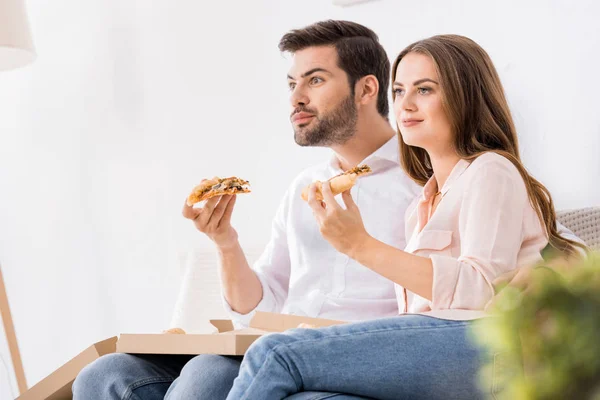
[
  {"x": 241, "y": 286},
  {"x": 272, "y": 270},
  {"x": 245, "y": 289}
]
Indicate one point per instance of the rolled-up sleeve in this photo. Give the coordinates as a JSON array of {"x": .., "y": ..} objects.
[
  {"x": 490, "y": 226},
  {"x": 272, "y": 269}
]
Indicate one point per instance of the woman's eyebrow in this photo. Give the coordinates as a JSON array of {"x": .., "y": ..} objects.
[{"x": 418, "y": 82}]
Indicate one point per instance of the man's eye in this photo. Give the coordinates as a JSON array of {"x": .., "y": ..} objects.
[
  {"x": 316, "y": 80},
  {"x": 292, "y": 86}
]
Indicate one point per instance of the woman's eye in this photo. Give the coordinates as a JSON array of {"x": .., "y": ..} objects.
[
  {"x": 398, "y": 92},
  {"x": 424, "y": 90}
]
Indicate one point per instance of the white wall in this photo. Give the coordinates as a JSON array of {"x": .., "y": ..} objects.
[{"x": 131, "y": 103}]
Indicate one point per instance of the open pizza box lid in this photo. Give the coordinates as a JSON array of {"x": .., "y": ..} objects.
[
  {"x": 225, "y": 341},
  {"x": 57, "y": 385}
]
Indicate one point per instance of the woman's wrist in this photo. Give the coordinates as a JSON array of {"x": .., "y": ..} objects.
[{"x": 361, "y": 245}]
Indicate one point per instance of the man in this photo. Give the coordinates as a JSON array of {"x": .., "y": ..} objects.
[{"x": 339, "y": 99}]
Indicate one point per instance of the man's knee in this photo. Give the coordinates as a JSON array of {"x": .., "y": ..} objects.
[
  {"x": 273, "y": 341},
  {"x": 206, "y": 376},
  {"x": 207, "y": 366},
  {"x": 102, "y": 378}
]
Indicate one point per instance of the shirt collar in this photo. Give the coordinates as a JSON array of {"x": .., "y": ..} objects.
[
  {"x": 388, "y": 152},
  {"x": 431, "y": 187}
]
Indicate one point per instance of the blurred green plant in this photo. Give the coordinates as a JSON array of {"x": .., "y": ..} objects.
[{"x": 545, "y": 343}]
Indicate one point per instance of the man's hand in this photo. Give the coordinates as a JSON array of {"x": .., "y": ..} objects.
[
  {"x": 214, "y": 220},
  {"x": 344, "y": 229}
]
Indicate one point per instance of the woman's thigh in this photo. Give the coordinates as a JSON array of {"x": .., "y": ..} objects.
[{"x": 412, "y": 356}]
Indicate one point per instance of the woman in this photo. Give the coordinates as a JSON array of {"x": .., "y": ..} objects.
[{"x": 481, "y": 215}]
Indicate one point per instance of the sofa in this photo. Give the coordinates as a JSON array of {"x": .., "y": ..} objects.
[{"x": 584, "y": 223}]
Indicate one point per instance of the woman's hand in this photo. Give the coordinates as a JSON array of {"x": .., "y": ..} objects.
[{"x": 344, "y": 229}]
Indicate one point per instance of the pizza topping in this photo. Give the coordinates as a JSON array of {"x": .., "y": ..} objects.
[
  {"x": 358, "y": 170},
  {"x": 226, "y": 183}
]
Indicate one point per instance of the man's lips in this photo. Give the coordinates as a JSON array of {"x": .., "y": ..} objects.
[
  {"x": 411, "y": 122},
  {"x": 301, "y": 117}
]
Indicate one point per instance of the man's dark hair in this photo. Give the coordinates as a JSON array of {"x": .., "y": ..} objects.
[{"x": 358, "y": 48}]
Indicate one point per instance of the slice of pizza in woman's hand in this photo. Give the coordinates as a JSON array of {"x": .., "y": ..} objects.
[{"x": 340, "y": 183}]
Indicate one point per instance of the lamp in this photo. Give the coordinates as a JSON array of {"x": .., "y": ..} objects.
[
  {"x": 16, "y": 46},
  {"x": 16, "y": 50}
]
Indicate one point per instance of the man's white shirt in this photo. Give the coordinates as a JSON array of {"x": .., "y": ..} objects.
[{"x": 302, "y": 274}]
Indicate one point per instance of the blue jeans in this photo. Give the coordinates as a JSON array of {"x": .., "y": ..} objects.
[
  {"x": 153, "y": 377},
  {"x": 405, "y": 357}
]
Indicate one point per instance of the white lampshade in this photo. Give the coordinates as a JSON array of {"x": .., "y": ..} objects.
[{"x": 16, "y": 45}]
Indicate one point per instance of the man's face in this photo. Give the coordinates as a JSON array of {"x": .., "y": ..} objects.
[{"x": 323, "y": 107}]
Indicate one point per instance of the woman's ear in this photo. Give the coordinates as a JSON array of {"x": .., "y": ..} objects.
[{"x": 367, "y": 89}]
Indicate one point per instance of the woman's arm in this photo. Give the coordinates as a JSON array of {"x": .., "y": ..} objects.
[
  {"x": 415, "y": 273},
  {"x": 345, "y": 230},
  {"x": 490, "y": 229}
]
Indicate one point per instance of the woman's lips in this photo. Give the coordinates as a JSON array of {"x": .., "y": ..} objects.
[{"x": 411, "y": 122}]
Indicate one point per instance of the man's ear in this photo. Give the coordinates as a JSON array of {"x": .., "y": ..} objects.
[{"x": 367, "y": 89}]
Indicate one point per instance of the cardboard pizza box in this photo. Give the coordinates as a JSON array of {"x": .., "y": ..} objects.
[
  {"x": 57, "y": 385},
  {"x": 226, "y": 341}
]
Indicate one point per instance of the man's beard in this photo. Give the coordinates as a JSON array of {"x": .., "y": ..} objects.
[{"x": 333, "y": 128}]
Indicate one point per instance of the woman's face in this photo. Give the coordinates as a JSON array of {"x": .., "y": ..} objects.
[{"x": 420, "y": 115}]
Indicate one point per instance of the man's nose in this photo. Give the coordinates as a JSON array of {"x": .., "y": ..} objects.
[{"x": 299, "y": 98}]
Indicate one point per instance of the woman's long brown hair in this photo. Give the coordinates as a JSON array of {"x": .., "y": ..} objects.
[{"x": 474, "y": 100}]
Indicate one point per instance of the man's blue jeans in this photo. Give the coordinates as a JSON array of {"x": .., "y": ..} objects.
[
  {"x": 406, "y": 357},
  {"x": 153, "y": 377}
]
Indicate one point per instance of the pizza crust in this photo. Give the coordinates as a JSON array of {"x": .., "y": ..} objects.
[
  {"x": 339, "y": 183},
  {"x": 177, "y": 331}
]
